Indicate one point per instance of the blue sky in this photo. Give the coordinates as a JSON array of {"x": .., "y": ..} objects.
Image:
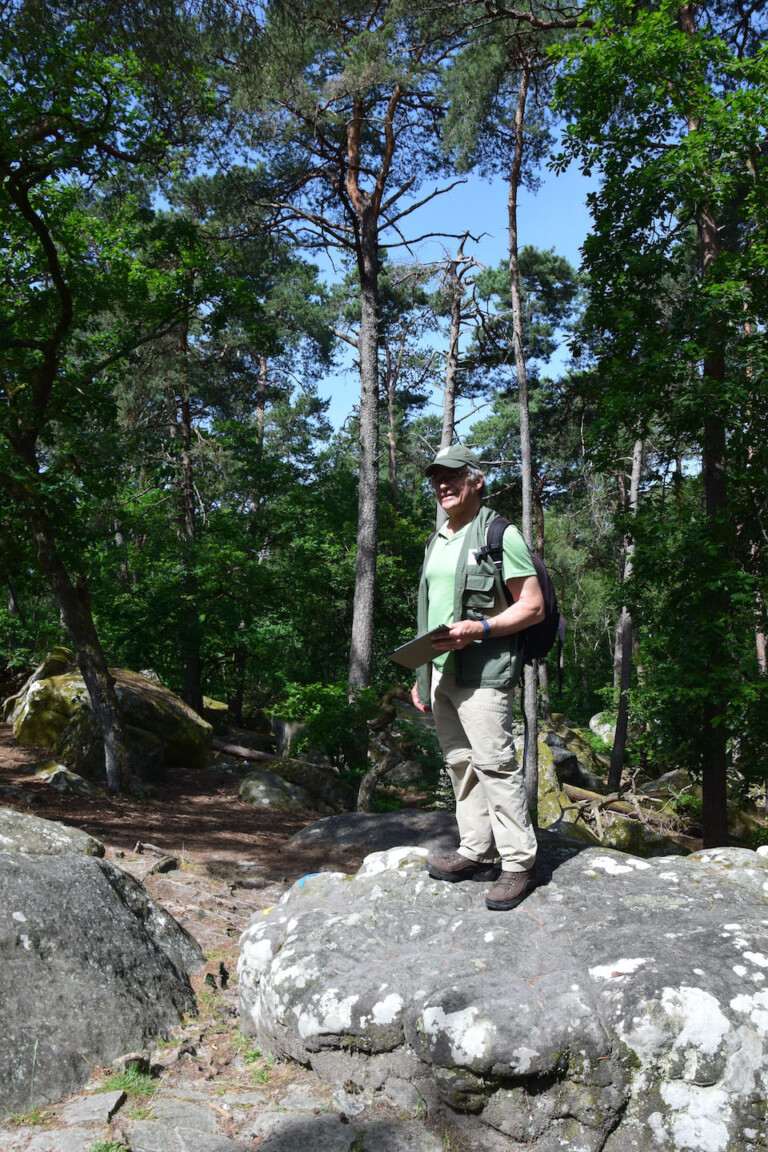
[{"x": 555, "y": 217}]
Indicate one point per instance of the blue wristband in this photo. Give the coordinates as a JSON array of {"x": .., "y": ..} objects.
[{"x": 486, "y": 628}]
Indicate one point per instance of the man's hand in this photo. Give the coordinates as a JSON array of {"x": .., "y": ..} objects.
[
  {"x": 459, "y": 635},
  {"x": 416, "y": 702}
]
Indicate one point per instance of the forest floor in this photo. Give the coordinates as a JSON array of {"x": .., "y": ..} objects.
[{"x": 233, "y": 861}]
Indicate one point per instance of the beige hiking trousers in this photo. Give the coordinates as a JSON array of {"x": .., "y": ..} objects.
[{"x": 474, "y": 727}]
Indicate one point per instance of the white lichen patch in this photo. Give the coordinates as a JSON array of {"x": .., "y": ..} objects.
[
  {"x": 697, "y": 1014},
  {"x": 522, "y": 1060},
  {"x": 755, "y": 1008},
  {"x": 615, "y": 865},
  {"x": 468, "y": 1035},
  {"x": 20, "y": 917},
  {"x": 331, "y": 1015},
  {"x": 387, "y": 1010},
  {"x": 623, "y": 967},
  {"x": 255, "y": 959},
  {"x": 696, "y": 1117},
  {"x": 489, "y": 937},
  {"x": 415, "y": 930},
  {"x": 740, "y": 970},
  {"x": 392, "y": 860},
  {"x": 298, "y": 975},
  {"x": 757, "y": 958}
]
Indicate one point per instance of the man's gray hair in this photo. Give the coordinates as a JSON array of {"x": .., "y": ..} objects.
[{"x": 474, "y": 472}]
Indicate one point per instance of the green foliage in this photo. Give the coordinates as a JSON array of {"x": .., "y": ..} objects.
[
  {"x": 336, "y": 726},
  {"x": 27, "y": 1119},
  {"x": 677, "y": 581},
  {"x": 137, "y": 1085},
  {"x": 687, "y": 805}
]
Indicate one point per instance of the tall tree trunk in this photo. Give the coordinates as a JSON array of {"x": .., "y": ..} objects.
[
  {"x": 530, "y": 703},
  {"x": 624, "y": 636},
  {"x": 361, "y": 649},
  {"x": 14, "y": 607},
  {"x": 75, "y": 607},
  {"x": 392, "y": 377},
  {"x": 715, "y": 744},
  {"x": 451, "y": 388},
  {"x": 191, "y": 631},
  {"x": 545, "y": 702}
]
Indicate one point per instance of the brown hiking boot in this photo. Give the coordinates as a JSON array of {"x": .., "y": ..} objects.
[
  {"x": 457, "y": 867},
  {"x": 510, "y": 889}
]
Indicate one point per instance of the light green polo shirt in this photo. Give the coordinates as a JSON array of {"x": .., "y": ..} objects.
[{"x": 440, "y": 574}]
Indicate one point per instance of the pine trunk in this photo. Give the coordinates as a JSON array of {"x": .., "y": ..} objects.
[
  {"x": 530, "y": 702},
  {"x": 190, "y": 637},
  {"x": 361, "y": 650}
]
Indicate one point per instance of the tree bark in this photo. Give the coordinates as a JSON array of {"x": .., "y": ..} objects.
[
  {"x": 361, "y": 649},
  {"x": 393, "y": 374},
  {"x": 190, "y": 631},
  {"x": 451, "y": 389},
  {"x": 530, "y": 702},
  {"x": 75, "y": 607},
  {"x": 624, "y": 636},
  {"x": 715, "y": 745}
]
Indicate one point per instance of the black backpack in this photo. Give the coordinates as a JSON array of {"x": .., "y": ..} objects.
[{"x": 538, "y": 639}]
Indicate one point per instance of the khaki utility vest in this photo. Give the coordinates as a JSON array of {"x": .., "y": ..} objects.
[{"x": 478, "y": 592}]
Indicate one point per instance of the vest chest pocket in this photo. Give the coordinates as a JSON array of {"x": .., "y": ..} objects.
[{"x": 479, "y": 595}]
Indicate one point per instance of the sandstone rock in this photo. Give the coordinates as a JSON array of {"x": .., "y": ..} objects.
[
  {"x": 91, "y": 968},
  {"x": 265, "y": 789},
  {"x": 639, "y": 839},
  {"x": 554, "y": 805},
  {"x": 374, "y": 831},
  {"x": 621, "y": 1008},
  {"x": 324, "y": 785},
  {"x": 668, "y": 784},
  {"x": 58, "y": 777},
  {"x": 31, "y": 836},
  {"x": 603, "y": 726},
  {"x": 53, "y": 710},
  {"x": 216, "y": 712}
]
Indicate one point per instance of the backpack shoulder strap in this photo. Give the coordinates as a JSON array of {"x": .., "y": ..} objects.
[
  {"x": 493, "y": 542},
  {"x": 494, "y": 550}
]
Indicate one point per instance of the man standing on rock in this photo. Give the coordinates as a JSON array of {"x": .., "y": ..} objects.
[{"x": 468, "y": 685}]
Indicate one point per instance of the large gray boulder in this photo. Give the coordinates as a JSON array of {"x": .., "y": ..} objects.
[
  {"x": 53, "y": 710},
  {"x": 374, "y": 831},
  {"x": 20, "y": 832},
  {"x": 91, "y": 966},
  {"x": 623, "y": 1007}
]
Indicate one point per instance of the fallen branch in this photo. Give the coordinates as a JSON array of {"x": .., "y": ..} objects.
[{"x": 242, "y": 752}]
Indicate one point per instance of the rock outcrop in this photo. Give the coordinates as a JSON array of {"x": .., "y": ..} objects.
[
  {"x": 31, "y": 836},
  {"x": 286, "y": 783},
  {"x": 622, "y": 1007},
  {"x": 53, "y": 710},
  {"x": 92, "y": 967}
]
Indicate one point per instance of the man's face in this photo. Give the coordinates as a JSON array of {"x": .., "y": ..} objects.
[{"x": 456, "y": 491}]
